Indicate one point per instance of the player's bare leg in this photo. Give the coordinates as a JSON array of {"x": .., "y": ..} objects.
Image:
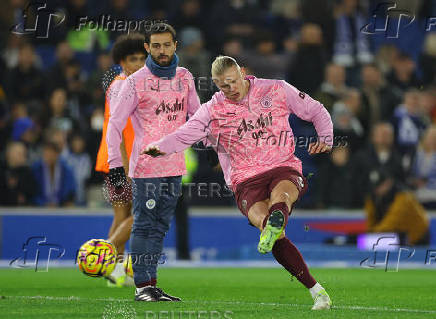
[
  {"x": 122, "y": 234},
  {"x": 122, "y": 211},
  {"x": 283, "y": 196},
  {"x": 271, "y": 217},
  {"x": 119, "y": 234}
]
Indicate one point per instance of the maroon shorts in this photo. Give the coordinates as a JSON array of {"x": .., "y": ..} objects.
[
  {"x": 113, "y": 195},
  {"x": 259, "y": 187}
]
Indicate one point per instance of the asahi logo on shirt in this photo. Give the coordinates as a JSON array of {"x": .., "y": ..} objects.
[
  {"x": 169, "y": 108},
  {"x": 262, "y": 122}
]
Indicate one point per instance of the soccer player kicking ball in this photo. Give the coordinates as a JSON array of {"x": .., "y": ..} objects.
[
  {"x": 157, "y": 98},
  {"x": 247, "y": 121},
  {"x": 129, "y": 52}
]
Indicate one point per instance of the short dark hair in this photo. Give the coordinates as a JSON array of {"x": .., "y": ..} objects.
[
  {"x": 160, "y": 28},
  {"x": 127, "y": 44}
]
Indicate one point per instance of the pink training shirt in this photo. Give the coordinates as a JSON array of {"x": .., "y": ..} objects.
[
  {"x": 252, "y": 136},
  {"x": 157, "y": 107}
]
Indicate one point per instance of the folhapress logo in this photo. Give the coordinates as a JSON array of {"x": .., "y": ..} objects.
[
  {"x": 392, "y": 21},
  {"x": 389, "y": 20},
  {"x": 37, "y": 20},
  {"x": 37, "y": 253}
]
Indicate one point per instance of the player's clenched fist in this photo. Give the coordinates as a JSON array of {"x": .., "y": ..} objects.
[{"x": 153, "y": 150}]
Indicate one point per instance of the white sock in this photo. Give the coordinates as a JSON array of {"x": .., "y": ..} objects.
[
  {"x": 315, "y": 289},
  {"x": 118, "y": 271}
]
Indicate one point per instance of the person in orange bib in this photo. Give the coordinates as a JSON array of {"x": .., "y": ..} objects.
[{"x": 129, "y": 52}]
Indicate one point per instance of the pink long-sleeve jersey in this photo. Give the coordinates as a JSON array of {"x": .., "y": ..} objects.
[
  {"x": 252, "y": 136},
  {"x": 157, "y": 107}
]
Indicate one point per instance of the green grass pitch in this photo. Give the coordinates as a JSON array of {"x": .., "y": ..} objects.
[{"x": 212, "y": 293}]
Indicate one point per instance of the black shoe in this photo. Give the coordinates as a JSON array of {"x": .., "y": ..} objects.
[
  {"x": 151, "y": 293},
  {"x": 164, "y": 294}
]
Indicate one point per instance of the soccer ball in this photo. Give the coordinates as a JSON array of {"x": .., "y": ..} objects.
[
  {"x": 128, "y": 266},
  {"x": 97, "y": 258}
]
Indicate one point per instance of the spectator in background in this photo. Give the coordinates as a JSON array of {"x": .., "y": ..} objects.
[
  {"x": 196, "y": 59},
  {"x": 379, "y": 157},
  {"x": 12, "y": 50},
  {"x": 94, "y": 82},
  {"x": 346, "y": 121},
  {"x": 17, "y": 185},
  {"x": 307, "y": 68},
  {"x": 75, "y": 9},
  {"x": 333, "y": 87},
  {"x": 25, "y": 130},
  {"x": 427, "y": 102},
  {"x": 263, "y": 60},
  {"x": 286, "y": 20},
  {"x": 335, "y": 183},
  {"x": 56, "y": 185},
  {"x": 233, "y": 46},
  {"x": 323, "y": 16},
  {"x": 428, "y": 59},
  {"x": 190, "y": 14},
  {"x": 25, "y": 82},
  {"x": 58, "y": 115},
  {"x": 56, "y": 76},
  {"x": 379, "y": 99},
  {"x": 59, "y": 138},
  {"x": 78, "y": 96},
  {"x": 351, "y": 47},
  {"x": 384, "y": 58},
  {"x": 425, "y": 169},
  {"x": 233, "y": 18},
  {"x": 80, "y": 162},
  {"x": 389, "y": 208},
  {"x": 4, "y": 124},
  {"x": 409, "y": 126},
  {"x": 403, "y": 74},
  {"x": 119, "y": 9}
]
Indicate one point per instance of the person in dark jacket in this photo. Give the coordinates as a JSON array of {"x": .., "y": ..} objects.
[
  {"x": 17, "y": 185},
  {"x": 379, "y": 156},
  {"x": 335, "y": 181},
  {"x": 55, "y": 179}
]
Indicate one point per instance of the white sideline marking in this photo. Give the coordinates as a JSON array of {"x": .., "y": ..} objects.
[{"x": 74, "y": 298}]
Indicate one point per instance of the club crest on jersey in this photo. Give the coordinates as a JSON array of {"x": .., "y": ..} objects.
[
  {"x": 151, "y": 203},
  {"x": 266, "y": 102}
]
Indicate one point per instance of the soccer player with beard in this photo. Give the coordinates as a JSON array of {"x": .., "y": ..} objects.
[
  {"x": 247, "y": 121},
  {"x": 157, "y": 98},
  {"x": 129, "y": 52}
]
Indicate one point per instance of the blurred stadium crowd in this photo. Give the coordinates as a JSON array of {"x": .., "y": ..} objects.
[{"x": 379, "y": 90}]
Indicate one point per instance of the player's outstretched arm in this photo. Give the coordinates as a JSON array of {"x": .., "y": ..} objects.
[
  {"x": 194, "y": 130},
  {"x": 313, "y": 111}
]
